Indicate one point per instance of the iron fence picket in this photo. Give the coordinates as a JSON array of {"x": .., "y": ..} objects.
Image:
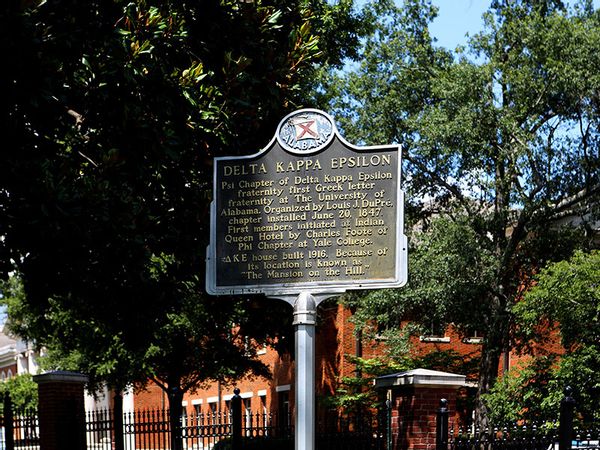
[
  {"x": 99, "y": 429},
  {"x": 150, "y": 430},
  {"x": 26, "y": 430},
  {"x": 22, "y": 432},
  {"x": 559, "y": 434},
  {"x": 514, "y": 437},
  {"x": 587, "y": 437}
]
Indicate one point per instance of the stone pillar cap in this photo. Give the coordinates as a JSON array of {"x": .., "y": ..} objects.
[
  {"x": 63, "y": 376},
  {"x": 420, "y": 378}
]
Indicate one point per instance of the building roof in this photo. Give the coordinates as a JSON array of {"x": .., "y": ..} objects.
[
  {"x": 421, "y": 377},
  {"x": 8, "y": 350},
  {"x": 6, "y": 340}
]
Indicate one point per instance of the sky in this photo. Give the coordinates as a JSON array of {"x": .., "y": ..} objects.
[{"x": 456, "y": 18}]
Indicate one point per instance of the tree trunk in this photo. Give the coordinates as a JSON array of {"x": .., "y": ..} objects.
[
  {"x": 175, "y": 395},
  {"x": 495, "y": 341},
  {"x": 488, "y": 372}
]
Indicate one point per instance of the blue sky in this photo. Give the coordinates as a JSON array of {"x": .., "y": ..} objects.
[{"x": 456, "y": 18}]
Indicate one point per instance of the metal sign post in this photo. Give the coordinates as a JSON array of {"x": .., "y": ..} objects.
[
  {"x": 305, "y": 319},
  {"x": 305, "y": 219}
]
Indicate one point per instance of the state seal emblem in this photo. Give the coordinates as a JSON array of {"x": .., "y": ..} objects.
[{"x": 305, "y": 131}]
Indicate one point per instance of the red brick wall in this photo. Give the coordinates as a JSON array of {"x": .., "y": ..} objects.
[
  {"x": 330, "y": 348},
  {"x": 414, "y": 411},
  {"x": 335, "y": 340},
  {"x": 61, "y": 411},
  {"x": 152, "y": 397},
  {"x": 12, "y": 369}
]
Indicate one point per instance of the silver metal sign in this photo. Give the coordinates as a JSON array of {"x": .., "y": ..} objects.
[
  {"x": 309, "y": 213},
  {"x": 306, "y": 218}
]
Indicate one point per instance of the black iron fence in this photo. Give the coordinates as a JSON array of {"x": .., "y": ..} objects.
[
  {"x": 231, "y": 430},
  {"x": 237, "y": 430},
  {"x": 150, "y": 429},
  {"x": 561, "y": 434},
  {"x": 19, "y": 429},
  {"x": 542, "y": 436},
  {"x": 517, "y": 436}
]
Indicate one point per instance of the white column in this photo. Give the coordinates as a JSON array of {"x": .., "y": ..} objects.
[
  {"x": 22, "y": 366},
  {"x": 33, "y": 365}
]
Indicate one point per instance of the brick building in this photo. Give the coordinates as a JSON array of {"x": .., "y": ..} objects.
[{"x": 336, "y": 343}]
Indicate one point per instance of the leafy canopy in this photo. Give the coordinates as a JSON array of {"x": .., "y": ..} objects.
[
  {"x": 563, "y": 304},
  {"x": 113, "y": 112},
  {"x": 23, "y": 393},
  {"x": 501, "y": 147},
  {"x": 565, "y": 297}
]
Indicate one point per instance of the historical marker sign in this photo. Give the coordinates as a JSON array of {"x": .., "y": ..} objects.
[{"x": 309, "y": 213}]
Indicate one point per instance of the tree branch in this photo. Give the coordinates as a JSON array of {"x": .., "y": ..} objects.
[
  {"x": 454, "y": 190},
  {"x": 159, "y": 383},
  {"x": 568, "y": 202}
]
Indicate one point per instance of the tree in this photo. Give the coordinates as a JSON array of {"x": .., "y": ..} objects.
[
  {"x": 563, "y": 303},
  {"x": 500, "y": 144},
  {"x": 114, "y": 111},
  {"x": 22, "y": 390}
]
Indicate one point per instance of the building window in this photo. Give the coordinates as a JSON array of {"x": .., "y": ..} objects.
[
  {"x": 283, "y": 409},
  {"x": 263, "y": 404},
  {"x": 476, "y": 337},
  {"x": 197, "y": 404},
  {"x": 184, "y": 414},
  {"x": 436, "y": 332},
  {"x": 262, "y": 350},
  {"x": 212, "y": 407},
  {"x": 251, "y": 346},
  {"x": 247, "y": 408}
]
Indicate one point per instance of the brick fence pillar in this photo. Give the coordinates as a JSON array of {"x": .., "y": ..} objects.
[
  {"x": 415, "y": 398},
  {"x": 61, "y": 410}
]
